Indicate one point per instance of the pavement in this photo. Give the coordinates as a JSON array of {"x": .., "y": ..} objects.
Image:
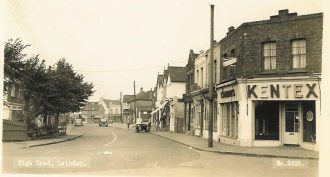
[
  {"x": 42, "y": 142},
  {"x": 201, "y": 144}
]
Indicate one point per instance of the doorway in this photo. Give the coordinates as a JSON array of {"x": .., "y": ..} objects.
[{"x": 292, "y": 116}]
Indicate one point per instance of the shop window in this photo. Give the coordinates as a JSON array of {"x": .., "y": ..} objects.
[
  {"x": 298, "y": 54},
  {"x": 229, "y": 119},
  {"x": 206, "y": 117},
  {"x": 215, "y": 115},
  {"x": 198, "y": 116},
  {"x": 309, "y": 122},
  {"x": 269, "y": 55},
  {"x": 266, "y": 120}
]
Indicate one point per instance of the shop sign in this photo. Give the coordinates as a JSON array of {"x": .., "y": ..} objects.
[
  {"x": 309, "y": 116},
  {"x": 282, "y": 91},
  {"x": 229, "y": 93}
]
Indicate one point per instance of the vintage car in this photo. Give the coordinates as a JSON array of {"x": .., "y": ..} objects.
[
  {"x": 142, "y": 125},
  {"x": 103, "y": 122}
]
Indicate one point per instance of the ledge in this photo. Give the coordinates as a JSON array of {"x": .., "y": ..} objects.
[
  {"x": 268, "y": 72},
  {"x": 297, "y": 71}
]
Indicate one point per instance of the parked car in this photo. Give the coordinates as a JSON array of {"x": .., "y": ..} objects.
[
  {"x": 142, "y": 125},
  {"x": 103, "y": 122},
  {"x": 77, "y": 122}
]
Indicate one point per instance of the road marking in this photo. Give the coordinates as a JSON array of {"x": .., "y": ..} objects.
[
  {"x": 115, "y": 138},
  {"x": 105, "y": 153}
]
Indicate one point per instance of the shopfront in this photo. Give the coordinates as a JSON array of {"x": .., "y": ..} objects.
[{"x": 274, "y": 112}]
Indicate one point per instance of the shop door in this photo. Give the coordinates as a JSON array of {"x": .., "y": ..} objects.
[{"x": 291, "y": 124}]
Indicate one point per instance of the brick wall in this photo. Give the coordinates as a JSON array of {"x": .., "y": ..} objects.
[{"x": 247, "y": 41}]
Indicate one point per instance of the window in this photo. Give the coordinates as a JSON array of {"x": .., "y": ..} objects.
[
  {"x": 232, "y": 70},
  {"x": 215, "y": 71},
  {"x": 229, "y": 115},
  {"x": 232, "y": 53},
  {"x": 215, "y": 115},
  {"x": 201, "y": 77},
  {"x": 12, "y": 93},
  {"x": 19, "y": 93},
  {"x": 197, "y": 76},
  {"x": 266, "y": 120},
  {"x": 269, "y": 55},
  {"x": 298, "y": 53}
]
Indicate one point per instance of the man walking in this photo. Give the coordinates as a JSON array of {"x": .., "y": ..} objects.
[{"x": 128, "y": 122}]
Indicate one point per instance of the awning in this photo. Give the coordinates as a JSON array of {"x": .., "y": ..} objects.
[{"x": 160, "y": 107}]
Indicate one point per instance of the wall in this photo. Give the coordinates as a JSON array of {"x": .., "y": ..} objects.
[{"x": 176, "y": 89}]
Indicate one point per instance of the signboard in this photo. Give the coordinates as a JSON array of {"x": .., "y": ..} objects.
[
  {"x": 229, "y": 93},
  {"x": 283, "y": 91}
]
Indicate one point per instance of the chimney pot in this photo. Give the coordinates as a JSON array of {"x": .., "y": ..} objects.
[
  {"x": 230, "y": 29},
  {"x": 283, "y": 12}
]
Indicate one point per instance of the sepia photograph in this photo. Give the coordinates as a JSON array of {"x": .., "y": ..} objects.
[{"x": 164, "y": 88}]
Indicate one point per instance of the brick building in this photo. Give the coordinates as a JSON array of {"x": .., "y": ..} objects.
[
  {"x": 187, "y": 97},
  {"x": 269, "y": 93}
]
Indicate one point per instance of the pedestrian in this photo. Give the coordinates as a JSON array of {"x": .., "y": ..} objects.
[
  {"x": 157, "y": 124},
  {"x": 38, "y": 124},
  {"x": 128, "y": 122}
]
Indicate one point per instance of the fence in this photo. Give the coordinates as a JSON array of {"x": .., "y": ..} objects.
[{"x": 13, "y": 131}]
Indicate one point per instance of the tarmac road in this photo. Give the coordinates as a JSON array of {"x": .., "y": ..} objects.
[{"x": 121, "y": 152}]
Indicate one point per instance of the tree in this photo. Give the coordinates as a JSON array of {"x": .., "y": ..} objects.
[
  {"x": 13, "y": 61},
  {"x": 46, "y": 91},
  {"x": 36, "y": 87},
  {"x": 69, "y": 91}
]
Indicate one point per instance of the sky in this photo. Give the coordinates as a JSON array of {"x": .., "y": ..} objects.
[{"x": 113, "y": 42}]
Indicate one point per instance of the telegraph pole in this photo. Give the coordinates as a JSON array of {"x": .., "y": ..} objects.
[
  {"x": 211, "y": 94},
  {"x": 121, "y": 108},
  {"x": 134, "y": 112}
]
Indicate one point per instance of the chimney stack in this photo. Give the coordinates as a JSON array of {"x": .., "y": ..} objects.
[{"x": 230, "y": 29}]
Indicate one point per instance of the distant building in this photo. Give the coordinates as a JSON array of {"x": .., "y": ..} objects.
[
  {"x": 13, "y": 102},
  {"x": 112, "y": 109},
  {"x": 171, "y": 85},
  {"x": 93, "y": 112},
  {"x": 141, "y": 102}
]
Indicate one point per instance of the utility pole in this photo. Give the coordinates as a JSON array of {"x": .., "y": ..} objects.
[
  {"x": 121, "y": 108},
  {"x": 134, "y": 112},
  {"x": 211, "y": 94}
]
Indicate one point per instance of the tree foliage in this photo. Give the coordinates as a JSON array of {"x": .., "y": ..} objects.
[
  {"x": 46, "y": 91},
  {"x": 69, "y": 91},
  {"x": 13, "y": 61}
]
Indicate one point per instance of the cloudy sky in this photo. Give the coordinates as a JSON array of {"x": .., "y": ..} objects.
[{"x": 113, "y": 42}]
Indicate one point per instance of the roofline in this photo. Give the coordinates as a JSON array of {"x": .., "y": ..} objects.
[{"x": 268, "y": 21}]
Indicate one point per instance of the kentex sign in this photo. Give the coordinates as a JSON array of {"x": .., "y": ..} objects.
[{"x": 283, "y": 91}]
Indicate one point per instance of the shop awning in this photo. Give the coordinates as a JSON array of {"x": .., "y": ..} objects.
[{"x": 160, "y": 107}]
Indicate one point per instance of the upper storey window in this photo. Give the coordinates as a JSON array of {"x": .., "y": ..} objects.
[
  {"x": 269, "y": 55},
  {"x": 298, "y": 53}
]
